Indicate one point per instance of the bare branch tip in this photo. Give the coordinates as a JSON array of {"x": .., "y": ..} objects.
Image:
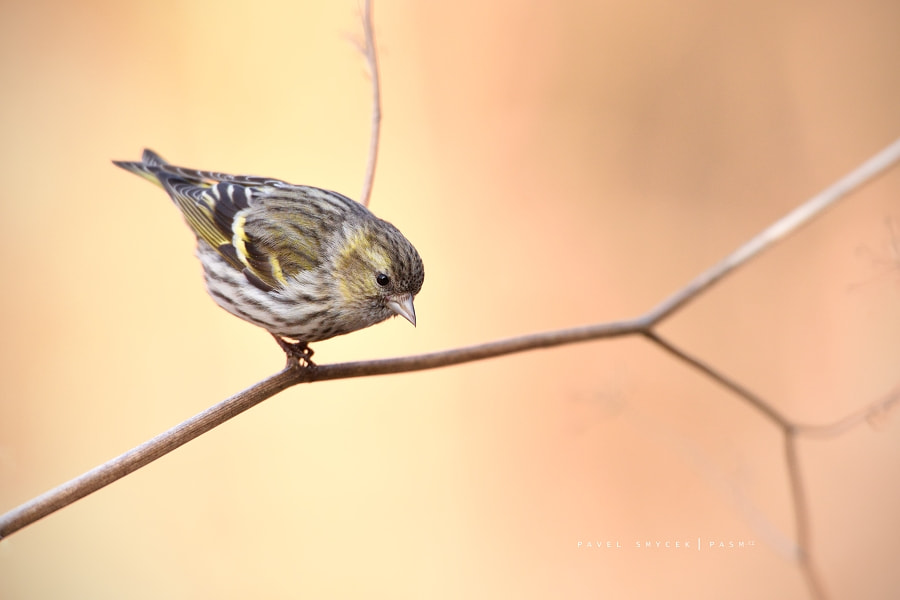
[{"x": 371, "y": 55}]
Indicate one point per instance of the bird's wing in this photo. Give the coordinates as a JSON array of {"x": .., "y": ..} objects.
[{"x": 266, "y": 228}]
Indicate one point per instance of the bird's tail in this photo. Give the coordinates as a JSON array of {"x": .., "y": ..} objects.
[{"x": 148, "y": 168}]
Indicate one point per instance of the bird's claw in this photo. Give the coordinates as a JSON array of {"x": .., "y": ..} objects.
[{"x": 299, "y": 354}]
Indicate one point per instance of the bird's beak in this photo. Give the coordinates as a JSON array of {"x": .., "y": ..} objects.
[{"x": 403, "y": 306}]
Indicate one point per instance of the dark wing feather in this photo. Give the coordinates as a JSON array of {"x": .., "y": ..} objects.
[{"x": 266, "y": 228}]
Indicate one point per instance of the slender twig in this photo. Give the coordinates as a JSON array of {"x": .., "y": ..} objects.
[
  {"x": 105, "y": 474},
  {"x": 801, "y": 518},
  {"x": 144, "y": 454},
  {"x": 798, "y": 491},
  {"x": 755, "y": 401},
  {"x": 292, "y": 375},
  {"x": 876, "y": 409},
  {"x": 371, "y": 55},
  {"x": 789, "y": 223},
  {"x": 791, "y": 432}
]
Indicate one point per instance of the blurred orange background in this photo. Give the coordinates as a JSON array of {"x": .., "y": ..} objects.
[{"x": 556, "y": 164}]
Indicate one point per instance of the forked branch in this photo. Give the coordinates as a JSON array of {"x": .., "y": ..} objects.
[
  {"x": 295, "y": 373},
  {"x": 164, "y": 443}
]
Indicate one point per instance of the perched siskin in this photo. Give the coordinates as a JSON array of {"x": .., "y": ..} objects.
[{"x": 303, "y": 263}]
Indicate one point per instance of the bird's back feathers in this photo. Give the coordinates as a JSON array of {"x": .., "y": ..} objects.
[{"x": 269, "y": 229}]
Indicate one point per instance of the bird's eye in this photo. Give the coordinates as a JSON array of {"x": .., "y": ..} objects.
[{"x": 382, "y": 279}]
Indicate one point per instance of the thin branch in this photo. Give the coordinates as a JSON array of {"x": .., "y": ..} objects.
[
  {"x": 798, "y": 491},
  {"x": 788, "y": 224},
  {"x": 144, "y": 454},
  {"x": 801, "y": 518},
  {"x": 446, "y": 358},
  {"x": 372, "y": 60},
  {"x": 292, "y": 375},
  {"x": 105, "y": 474},
  {"x": 869, "y": 413},
  {"x": 755, "y": 401}
]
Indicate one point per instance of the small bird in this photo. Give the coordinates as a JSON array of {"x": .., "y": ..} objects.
[{"x": 303, "y": 263}]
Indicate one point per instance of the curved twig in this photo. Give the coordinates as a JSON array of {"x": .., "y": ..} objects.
[{"x": 375, "y": 135}]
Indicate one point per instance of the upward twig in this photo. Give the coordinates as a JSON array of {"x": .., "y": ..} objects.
[
  {"x": 374, "y": 137},
  {"x": 781, "y": 228}
]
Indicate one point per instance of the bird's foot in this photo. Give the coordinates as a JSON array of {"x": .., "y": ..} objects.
[{"x": 299, "y": 354}]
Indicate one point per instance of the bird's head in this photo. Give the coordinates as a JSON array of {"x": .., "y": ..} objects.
[{"x": 378, "y": 271}]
